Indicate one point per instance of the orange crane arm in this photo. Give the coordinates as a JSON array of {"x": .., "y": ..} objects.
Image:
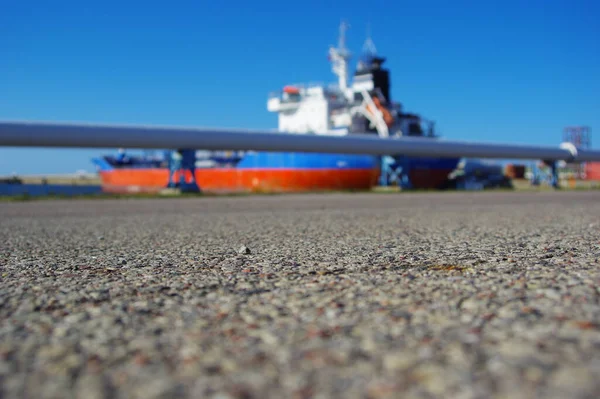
[{"x": 387, "y": 116}]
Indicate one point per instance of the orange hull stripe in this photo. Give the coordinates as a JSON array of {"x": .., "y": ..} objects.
[{"x": 248, "y": 179}]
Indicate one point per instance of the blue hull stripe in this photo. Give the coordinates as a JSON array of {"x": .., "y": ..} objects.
[
  {"x": 274, "y": 160},
  {"x": 295, "y": 160}
]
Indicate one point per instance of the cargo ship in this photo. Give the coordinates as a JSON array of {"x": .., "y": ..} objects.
[{"x": 345, "y": 108}]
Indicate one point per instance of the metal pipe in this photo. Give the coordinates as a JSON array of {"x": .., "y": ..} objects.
[{"x": 79, "y": 135}]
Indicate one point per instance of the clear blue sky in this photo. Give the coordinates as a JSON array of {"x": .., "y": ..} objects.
[{"x": 496, "y": 71}]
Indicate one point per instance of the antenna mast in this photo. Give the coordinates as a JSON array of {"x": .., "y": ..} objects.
[
  {"x": 342, "y": 39},
  {"x": 369, "y": 48},
  {"x": 339, "y": 58}
]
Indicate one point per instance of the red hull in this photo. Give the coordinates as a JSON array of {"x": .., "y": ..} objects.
[
  {"x": 428, "y": 179},
  {"x": 592, "y": 171},
  {"x": 243, "y": 180}
]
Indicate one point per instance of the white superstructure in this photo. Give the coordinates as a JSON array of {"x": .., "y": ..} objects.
[{"x": 362, "y": 105}]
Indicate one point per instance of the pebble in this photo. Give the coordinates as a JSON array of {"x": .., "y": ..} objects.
[
  {"x": 399, "y": 361},
  {"x": 244, "y": 250}
]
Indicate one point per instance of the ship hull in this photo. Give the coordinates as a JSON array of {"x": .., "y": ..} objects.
[
  {"x": 276, "y": 173},
  {"x": 256, "y": 172}
]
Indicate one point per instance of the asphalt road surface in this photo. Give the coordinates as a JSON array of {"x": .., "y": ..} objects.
[{"x": 457, "y": 295}]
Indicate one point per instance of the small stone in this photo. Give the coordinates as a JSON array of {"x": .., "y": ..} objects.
[
  {"x": 551, "y": 294},
  {"x": 399, "y": 361},
  {"x": 90, "y": 386},
  {"x": 574, "y": 381},
  {"x": 471, "y": 304},
  {"x": 244, "y": 250}
]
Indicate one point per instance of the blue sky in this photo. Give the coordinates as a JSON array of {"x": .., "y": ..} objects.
[{"x": 494, "y": 71}]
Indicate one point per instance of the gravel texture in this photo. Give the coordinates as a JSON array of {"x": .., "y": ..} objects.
[{"x": 458, "y": 295}]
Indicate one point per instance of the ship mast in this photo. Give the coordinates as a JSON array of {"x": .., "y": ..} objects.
[
  {"x": 339, "y": 57},
  {"x": 369, "y": 49}
]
